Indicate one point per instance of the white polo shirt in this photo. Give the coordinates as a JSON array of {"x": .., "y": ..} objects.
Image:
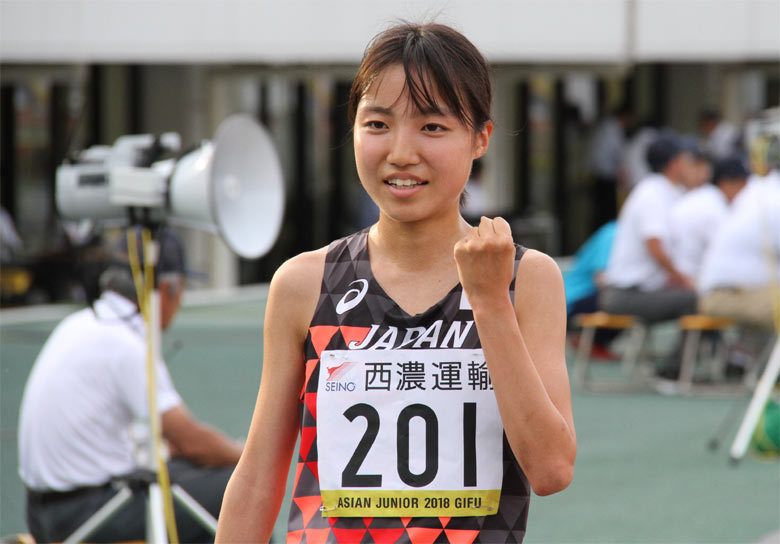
[
  {"x": 737, "y": 256},
  {"x": 644, "y": 215},
  {"x": 755, "y": 187},
  {"x": 86, "y": 389},
  {"x": 694, "y": 220}
]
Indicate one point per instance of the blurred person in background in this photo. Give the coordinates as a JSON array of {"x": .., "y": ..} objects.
[
  {"x": 697, "y": 216},
  {"x": 740, "y": 274},
  {"x": 606, "y": 158},
  {"x": 86, "y": 393},
  {"x": 635, "y": 153},
  {"x": 720, "y": 139},
  {"x": 701, "y": 173},
  {"x": 15, "y": 278},
  {"x": 11, "y": 246},
  {"x": 641, "y": 278},
  {"x": 584, "y": 280}
]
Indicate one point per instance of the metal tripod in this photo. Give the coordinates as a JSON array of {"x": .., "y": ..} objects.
[
  {"x": 757, "y": 403},
  {"x": 155, "y": 520}
]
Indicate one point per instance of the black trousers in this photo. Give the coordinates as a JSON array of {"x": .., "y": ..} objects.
[
  {"x": 652, "y": 306},
  {"x": 52, "y": 517}
]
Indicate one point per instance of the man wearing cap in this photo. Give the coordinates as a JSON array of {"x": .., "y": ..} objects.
[
  {"x": 696, "y": 217},
  {"x": 641, "y": 278},
  {"x": 84, "y": 397}
]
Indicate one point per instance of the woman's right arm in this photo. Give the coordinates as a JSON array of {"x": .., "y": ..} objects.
[{"x": 255, "y": 491}]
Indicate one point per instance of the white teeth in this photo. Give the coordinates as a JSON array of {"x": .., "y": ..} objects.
[{"x": 403, "y": 182}]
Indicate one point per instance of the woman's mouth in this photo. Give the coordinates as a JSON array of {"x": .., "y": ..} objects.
[{"x": 404, "y": 183}]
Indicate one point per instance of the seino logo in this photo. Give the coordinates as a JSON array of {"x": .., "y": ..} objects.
[{"x": 332, "y": 382}]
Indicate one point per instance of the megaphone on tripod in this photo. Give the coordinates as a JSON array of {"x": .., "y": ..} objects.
[{"x": 232, "y": 186}]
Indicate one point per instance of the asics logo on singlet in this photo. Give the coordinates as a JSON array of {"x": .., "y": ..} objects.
[{"x": 346, "y": 303}]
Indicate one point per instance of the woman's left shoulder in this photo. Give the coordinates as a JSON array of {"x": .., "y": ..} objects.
[
  {"x": 537, "y": 265},
  {"x": 538, "y": 282}
]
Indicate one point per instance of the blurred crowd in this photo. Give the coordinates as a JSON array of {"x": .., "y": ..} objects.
[{"x": 698, "y": 231}]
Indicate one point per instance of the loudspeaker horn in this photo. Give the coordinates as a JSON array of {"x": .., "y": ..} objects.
[{"x": 233, "y": 183}]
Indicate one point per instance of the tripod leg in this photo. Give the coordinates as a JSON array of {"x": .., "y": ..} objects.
[
  {"x": 155, "y": 516},
  {"x": 757, "y": 403},
  {"x": 98, "y": 518},
  {"x": 198, "y": 512},
  {"x": 725, "y": 424}
]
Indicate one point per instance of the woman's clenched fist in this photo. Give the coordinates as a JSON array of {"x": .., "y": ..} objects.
[{"x": 485, "y": 259}]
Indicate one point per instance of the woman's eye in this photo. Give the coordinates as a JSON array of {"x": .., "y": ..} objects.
[
  {"x": 433, "y": 127},
  {"x": 375, "y": 125}
]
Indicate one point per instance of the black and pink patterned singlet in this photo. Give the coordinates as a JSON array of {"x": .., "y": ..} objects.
[{"x": 354, "y": 314}]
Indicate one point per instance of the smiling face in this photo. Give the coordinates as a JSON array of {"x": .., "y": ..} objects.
[{"x": 414, "y": 164}]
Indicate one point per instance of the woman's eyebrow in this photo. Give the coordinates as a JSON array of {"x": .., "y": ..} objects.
[
  {"x": 377, "y": 109},
  {"x": 382, "y": 110},
  {"x": 434, "y": 110}
]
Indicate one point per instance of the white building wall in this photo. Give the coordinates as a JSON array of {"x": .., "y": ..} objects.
[
  {"x": 691, "y": 30},
  {"x": 336, "y": 31}
]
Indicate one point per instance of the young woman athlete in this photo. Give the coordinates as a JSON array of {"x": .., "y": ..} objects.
[{"x": 422, "y": 359}]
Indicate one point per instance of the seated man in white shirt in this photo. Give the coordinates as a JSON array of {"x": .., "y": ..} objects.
[
  {"x": 641, "y": 278},
  {"x": 697, "y": 215},
  {"x": 86, "y": 391},
  {"x": 740, "y": 275}
]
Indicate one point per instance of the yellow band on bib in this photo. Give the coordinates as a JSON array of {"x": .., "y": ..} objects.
[{"x": 409, "y": 503}]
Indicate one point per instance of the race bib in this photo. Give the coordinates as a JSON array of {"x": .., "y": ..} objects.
[{"x": 408, "y": 433}]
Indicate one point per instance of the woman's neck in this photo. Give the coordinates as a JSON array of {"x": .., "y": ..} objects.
[{"x": 417, "y": 245}]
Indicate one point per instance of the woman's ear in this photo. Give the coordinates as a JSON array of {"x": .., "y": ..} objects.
[{"x": 482, "y": 140}]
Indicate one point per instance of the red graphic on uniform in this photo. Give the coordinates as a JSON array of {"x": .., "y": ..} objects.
[{"x": 333, "y": 371}]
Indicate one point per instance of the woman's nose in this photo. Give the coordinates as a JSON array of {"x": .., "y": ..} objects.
[{"x": 403, "y": 149}]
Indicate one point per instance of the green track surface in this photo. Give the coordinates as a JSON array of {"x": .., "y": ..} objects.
[{"x": 643, "y": 472}]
